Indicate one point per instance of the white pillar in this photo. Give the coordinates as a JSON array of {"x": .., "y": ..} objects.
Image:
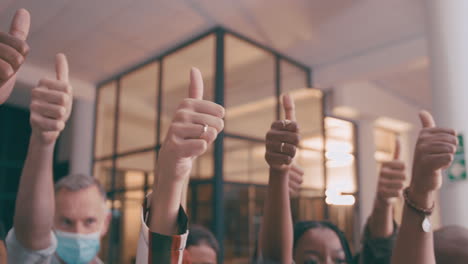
[
  {"x": 82, "y": 136},
  {"x": 367, "y": 169},
  {"x": 447, "y": 31}
]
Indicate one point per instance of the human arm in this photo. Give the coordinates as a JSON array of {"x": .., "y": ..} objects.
[
  {"x": 35, "y": 204},
  {"x": 434, "y": 151}
]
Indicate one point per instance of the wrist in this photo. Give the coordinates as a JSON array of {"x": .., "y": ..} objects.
[
  {"x": 36, "y": 140},
  {"x": 423, "y": 199},
  {"x": 165, "y": 185},
  {"x": 278, "y": 172},
  {"x": 382, "y": 204},
  {"x": 168, "y": 181}
]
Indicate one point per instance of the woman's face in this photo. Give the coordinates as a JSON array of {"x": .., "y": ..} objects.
[
  {"x": 202, "y": 254},
  {"x": 319, "y": 246}
]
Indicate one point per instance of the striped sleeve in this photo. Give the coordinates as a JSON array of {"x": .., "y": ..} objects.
[{"x": 157, "y": 248}]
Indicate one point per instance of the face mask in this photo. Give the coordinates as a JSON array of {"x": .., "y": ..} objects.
[{"x": 77, "y": 248}]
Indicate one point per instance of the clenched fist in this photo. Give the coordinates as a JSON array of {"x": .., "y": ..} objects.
[
  {"x": 51, "y": 104},
  {"x": 283, "y": 138},
  {"x": 194, "y": 127},
  {"x": 391, "y": 179},
  {"x": 13, "y": 51},
  {"x": 434, "y": 151}
]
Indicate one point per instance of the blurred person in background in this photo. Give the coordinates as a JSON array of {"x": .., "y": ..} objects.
[
  {"x": 202, "y": 246},
  {"x": 450, "y": 245},
  {"x": 380, "y": 231}
]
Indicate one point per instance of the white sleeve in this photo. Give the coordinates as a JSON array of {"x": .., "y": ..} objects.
[
  {"x": 143, "y": 242},
  {"x": 17, "y": 253}
]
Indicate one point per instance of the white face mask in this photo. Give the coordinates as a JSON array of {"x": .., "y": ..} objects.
[{"x": 77, "y": 248}]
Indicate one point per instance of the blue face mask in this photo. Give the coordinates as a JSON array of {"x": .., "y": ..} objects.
[{"x": 77, "y": 248}]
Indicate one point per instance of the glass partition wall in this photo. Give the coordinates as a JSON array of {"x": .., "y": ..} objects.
[{"x": 228, "y": 183}]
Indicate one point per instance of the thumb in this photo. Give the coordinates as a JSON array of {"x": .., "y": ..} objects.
[
  {"x": 396, "y": 153},
  {"x": 289, "y": 107},
  {"x": 196, "y": 84},
  {"x": 20, "y": 25},
  {"x": 426, "y": 118},
  {"x": 61, "y": 67}
]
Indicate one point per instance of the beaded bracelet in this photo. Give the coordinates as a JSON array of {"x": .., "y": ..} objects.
[{"x": 426, "y": 224}]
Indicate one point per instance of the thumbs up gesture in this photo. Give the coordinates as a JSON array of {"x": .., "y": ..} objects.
[
  {"x": 195, "y": 126},
  {"x": 13, "y": 51},
  {"x": 51, "y": 104},
  {"x": 283, "y": 138},
  {"x": 391, "y": 179},
  {"x": 434, "y": 151}
]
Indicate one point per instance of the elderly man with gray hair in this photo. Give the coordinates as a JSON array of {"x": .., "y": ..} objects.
[
  {"x": 65, "y": 225},
  {"x": 80, "y": 219}
]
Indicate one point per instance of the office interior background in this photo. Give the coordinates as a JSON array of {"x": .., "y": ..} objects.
[{"x": 358, "y": 70}]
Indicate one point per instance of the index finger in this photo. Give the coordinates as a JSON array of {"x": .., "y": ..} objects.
[
  {"x": 289, "y": 107},
  {"x": 196, "y": 84},
  {"x": 61, "y": 67}
]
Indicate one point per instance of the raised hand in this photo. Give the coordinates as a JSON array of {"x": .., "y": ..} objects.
[
  {"x": 283, "y": 138},
  {"x": 391, "y": 179},
  {"x": 51, "y": 104},
  {"x": 194, "y": 127},
  {"x": 13, "y": 51},
  {"x": 276, "y": 236},
  {"x": 434, "y": 151},
  {"x": 295, "y": 180}
]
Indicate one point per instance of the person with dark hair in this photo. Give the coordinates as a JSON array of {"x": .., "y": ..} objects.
[
  {"x": 202, "y": 246},
  {"x": 320, "y": 242},
  {"x": 450, "y": 245},
  {"x": 434, "y": 151}
]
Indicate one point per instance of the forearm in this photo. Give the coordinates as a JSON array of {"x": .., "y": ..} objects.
[
  {"x": 381, "y": 220},
  {"x": 413, "y": 245},
  {"x": 35, "y": 205},
  {"x": 165, "y": 204},
  {"x": 276, "y": 233}
]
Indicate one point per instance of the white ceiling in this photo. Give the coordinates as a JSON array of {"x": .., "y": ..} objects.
[{"x": 104, "y": 37}]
